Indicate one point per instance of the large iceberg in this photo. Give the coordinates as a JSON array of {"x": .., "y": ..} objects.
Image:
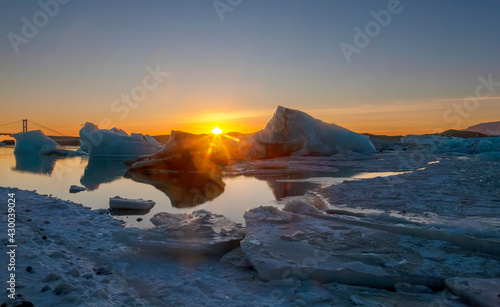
[
  {"x": 31, "y": 142},
  {"x": 293, "y": 132},
  {"x": 114, "y": 142}
]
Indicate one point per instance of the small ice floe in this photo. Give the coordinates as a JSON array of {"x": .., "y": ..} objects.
[
  {"x": 76, "y": 189},
  {"x": 130, "y": 204}
]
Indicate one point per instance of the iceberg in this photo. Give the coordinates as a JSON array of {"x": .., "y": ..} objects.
[
  {"x": 120, "y": 203},
  {"x": 31, "y": 142},
  {"x": 293, "y": 132},
  {"x": 114, "y": 142}
]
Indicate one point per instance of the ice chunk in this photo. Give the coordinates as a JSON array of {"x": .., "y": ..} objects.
[
  {"x": 113, "y": 142},
  {"x": 295, "y": 132},
  {"x": 31, "y": 142},
  {"x": 486, "y": 146},
  {"x": 476, "y": 291},
  {"x": 130, "y": 204},
  {"x": 198, "y": 233},
  {"x": 488, "y": 156},
  {"x": 76, "y": 189}
]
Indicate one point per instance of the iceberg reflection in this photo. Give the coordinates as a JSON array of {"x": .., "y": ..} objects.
[
  {"x": 33, "y": 163},
  {"x": 102, "y": 170},
  {"x": 184, "y": 189}
]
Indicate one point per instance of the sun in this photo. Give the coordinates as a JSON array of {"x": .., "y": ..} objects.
[{"x": 216, "y": 130}]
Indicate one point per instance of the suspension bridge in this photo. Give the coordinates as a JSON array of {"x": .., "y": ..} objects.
[{"x": 22, "y": 126}]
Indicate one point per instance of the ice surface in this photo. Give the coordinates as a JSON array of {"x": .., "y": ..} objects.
[
  {"x": 31, "y": 142},
  {"x": 476, "y": 291},
  {"x": 195, "y": 234},
  {"x": 357, "y": 251},
  {"x": 113, "y": 142}
]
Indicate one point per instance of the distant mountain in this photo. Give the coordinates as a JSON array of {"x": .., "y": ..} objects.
[
  {"x": 462, "y": 134},
  {"x": 492, "y": 128}
]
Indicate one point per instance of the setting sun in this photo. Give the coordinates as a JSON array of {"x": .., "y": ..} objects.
[{"x": 216, "y": 130}]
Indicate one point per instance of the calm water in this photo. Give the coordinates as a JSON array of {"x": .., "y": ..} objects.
[{"x": 104, "y": 178}]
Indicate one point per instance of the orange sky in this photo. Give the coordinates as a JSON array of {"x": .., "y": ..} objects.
[{"x": 396, "y": 118}]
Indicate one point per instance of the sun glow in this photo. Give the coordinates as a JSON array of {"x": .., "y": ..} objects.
[{"x": 216, "y": 130}]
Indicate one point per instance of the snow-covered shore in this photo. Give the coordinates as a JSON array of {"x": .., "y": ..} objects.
[{"x": 70, "y": 255}]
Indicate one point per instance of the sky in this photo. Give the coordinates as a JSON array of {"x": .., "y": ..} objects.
[{"x": 385, "y": 67}]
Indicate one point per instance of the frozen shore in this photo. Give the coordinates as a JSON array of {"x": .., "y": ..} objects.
[{"x": 401, "y": 235}]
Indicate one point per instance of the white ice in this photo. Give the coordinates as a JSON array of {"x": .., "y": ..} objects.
[
  {"x": 302, "y": 134},
  {"x": 114, "y": 142}
]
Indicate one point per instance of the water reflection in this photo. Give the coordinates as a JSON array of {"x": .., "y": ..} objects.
[
  {"x": 128, "y": 212},
  {"x": 184, "y": 189},
  {"x": 102, "y": 170},
  {"x": 33, "y": 163},
  {"x": 276, "y": 180}
]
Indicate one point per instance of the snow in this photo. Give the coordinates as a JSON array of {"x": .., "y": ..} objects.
[
  {"x": 31, "y": 142},
  {"x": 114, "y": 142}
]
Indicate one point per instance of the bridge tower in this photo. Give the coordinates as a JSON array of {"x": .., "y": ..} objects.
[{"x": 25, "y": 125}]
